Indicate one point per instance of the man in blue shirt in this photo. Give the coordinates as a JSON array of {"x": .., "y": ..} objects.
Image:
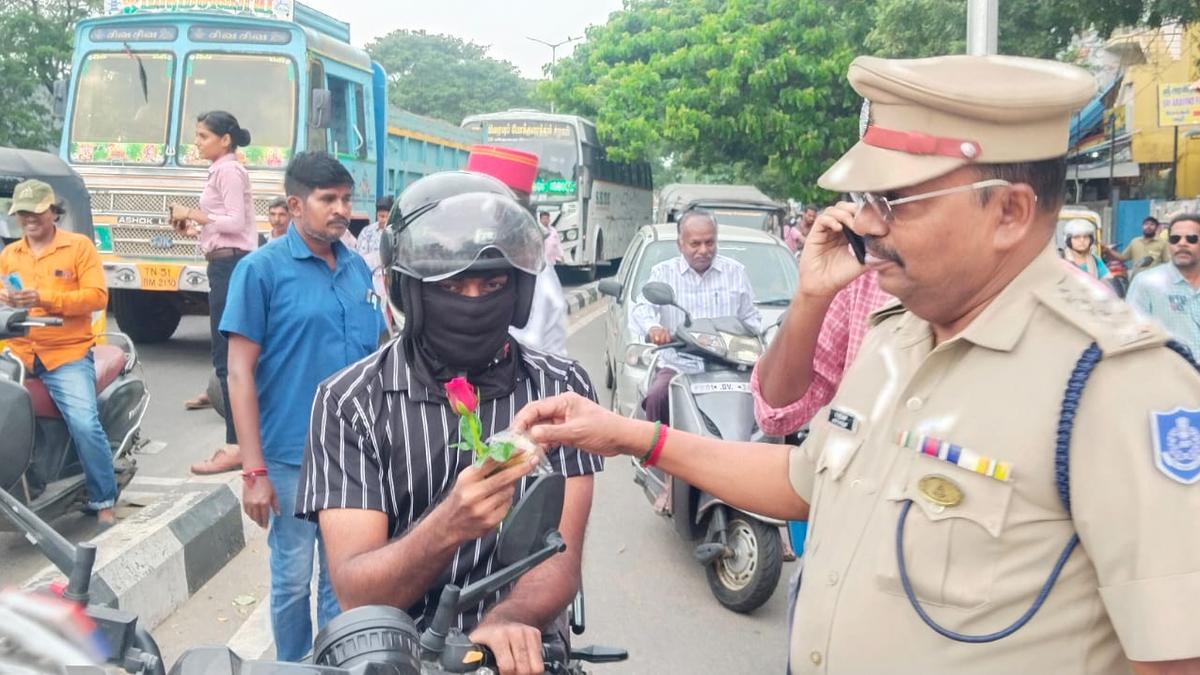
[{"x": 300, "y": 309}]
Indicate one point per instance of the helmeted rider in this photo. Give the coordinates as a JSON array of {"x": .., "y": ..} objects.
[
  {"x": 1080, "y": 248},
  {"x": 404, "y": 513}
]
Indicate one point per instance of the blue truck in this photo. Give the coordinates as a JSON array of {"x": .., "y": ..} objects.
[{"x": 143, "y": 71}]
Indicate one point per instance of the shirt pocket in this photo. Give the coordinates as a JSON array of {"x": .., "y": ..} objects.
[
  {"x": 363, "y": 322},
  {"x": 950, "y": 552},
  {"x": 837, "y": 449}
]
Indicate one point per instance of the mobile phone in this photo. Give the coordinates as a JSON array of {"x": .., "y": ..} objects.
[
  {"x": 12, "y": 282},
  {"x": 856, "y": 244}
]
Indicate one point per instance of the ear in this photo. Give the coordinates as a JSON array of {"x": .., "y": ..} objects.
[
  {"x": 1018, "y": 215},
  {"x": 295, "y": 206}
]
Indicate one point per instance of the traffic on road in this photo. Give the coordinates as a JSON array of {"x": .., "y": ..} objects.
[{"x": 295, "y": 381}]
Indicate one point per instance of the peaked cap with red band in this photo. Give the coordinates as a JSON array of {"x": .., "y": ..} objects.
[
  {"x": 927, "y": 117},
  {"x": 514, "y": 168}
]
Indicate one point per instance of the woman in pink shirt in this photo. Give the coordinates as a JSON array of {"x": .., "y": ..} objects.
[{"x": 225, "y": 226}]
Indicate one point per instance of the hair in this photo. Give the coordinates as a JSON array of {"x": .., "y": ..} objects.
[
  {"x": 220, "y": 123},
  {"x": 384, "y": 204},
  {"x": 811, "y": 207},
  {"x": 278, "y": 203},
  {"x": 1151, "y": 219},
  {"x": 309, "y": 171},
  {"x": 1191, "y": 217},
  {"x": 694, "y": 213},
  {"x": 1047, "y": 177}
]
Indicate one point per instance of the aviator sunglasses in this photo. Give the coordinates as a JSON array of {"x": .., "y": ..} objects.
[{"x": 1191, "y": 238}]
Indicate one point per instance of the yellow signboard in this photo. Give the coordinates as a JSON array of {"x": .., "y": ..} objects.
[
  {"x": 266, "y": 9},
  {"x": 1178, "y": 105}
]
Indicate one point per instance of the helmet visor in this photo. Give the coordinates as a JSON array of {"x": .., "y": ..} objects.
[{"x": 454, "y": 234}]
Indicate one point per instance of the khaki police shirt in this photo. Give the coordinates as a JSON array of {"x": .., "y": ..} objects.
[{"x": 1130, "y": 590}]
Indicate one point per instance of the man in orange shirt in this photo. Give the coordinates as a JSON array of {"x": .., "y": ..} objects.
[{"x": 59, "y": 273}]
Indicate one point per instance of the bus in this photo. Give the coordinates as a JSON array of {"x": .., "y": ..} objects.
[
  {"x": 596, "y": 205},
  {"x": 145, "y": 70}
]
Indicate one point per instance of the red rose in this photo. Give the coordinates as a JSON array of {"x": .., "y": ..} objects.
[{"x": 462, "y": 396}]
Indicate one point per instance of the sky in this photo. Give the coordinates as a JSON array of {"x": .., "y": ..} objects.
[{"x": 503, "y": 25}]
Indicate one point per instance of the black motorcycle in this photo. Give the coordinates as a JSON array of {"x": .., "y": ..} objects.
[{"x": 38, "y": 461}]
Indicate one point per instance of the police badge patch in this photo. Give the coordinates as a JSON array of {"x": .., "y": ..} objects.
[{"x": 1177, "y": 444}]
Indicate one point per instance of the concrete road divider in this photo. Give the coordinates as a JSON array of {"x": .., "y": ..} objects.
[
  {"x": 173, "y": 537},
  {"x": 582, "y": 296}
]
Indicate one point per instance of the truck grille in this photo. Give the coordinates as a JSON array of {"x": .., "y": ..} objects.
[
  {"x": 149, "y": 240},
  {"x": 154, "y": 242}
]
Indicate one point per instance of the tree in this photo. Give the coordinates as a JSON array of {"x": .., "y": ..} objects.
[
  {"x": 1036, "y": 28},
  {"x": 445, "y": 77},
  {"x": 35, "y": 51},
  {"x": 750, "y": 89}
]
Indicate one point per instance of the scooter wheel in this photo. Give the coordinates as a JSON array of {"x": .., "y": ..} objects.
[{"x": 745, "y": 579}]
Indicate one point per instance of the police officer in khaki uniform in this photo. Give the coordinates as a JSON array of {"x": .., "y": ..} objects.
[{"x": 997, "y": 486}]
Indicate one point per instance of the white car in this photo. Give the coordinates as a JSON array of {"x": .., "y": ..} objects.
[{"x": 773, "y": 275}]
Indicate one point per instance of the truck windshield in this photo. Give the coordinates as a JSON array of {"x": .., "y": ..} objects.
[
  {"x": 555, "y": 145},
  {"x": 259, "y": 90},
  {"x": 122, "y": 104}
]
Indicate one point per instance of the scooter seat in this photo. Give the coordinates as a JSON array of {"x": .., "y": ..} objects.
[{"x": 110, "y": 361}]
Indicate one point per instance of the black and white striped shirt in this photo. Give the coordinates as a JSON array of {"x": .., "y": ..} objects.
[{"x": 381, "y": 440}]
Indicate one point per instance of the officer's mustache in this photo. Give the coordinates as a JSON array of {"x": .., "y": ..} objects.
[{"x": 880, "y": 250}]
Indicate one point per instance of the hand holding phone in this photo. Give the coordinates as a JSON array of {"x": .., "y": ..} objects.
[{"x": 857, "y": 244}]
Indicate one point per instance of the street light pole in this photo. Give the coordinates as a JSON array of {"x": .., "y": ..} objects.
[
  {"x": 982, "y": 18},
  {"x": 554, "y": 54}
]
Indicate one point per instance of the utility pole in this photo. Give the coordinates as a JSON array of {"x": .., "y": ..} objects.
[
  {"x": 982, "y": 18},
  {"x": 554, "y": 54}
]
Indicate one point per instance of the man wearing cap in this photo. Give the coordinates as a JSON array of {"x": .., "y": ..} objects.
[
  {"x": 997, "y": 485},
  {"x": 546, "y": 329},
  {"x": 60, "y": 275}
]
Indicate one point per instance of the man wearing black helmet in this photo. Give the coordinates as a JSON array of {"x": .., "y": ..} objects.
[{"x": 402, "y": 512}]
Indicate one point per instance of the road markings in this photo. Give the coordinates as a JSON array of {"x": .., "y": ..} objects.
[{"x": 597, "y": 311}]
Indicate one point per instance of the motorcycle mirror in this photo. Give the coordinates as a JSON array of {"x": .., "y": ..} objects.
[
  {"x": 658, "y": 293},
  {"x": 536, "y": 515}
]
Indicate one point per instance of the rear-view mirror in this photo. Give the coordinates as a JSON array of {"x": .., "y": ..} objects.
[
  {"x": 59, "y": 108},
  {"x": 658, "y": 293},
  {"x": 536, "y": 515},
  {"x": 320, "y": 109},
  {"x": 610, "y": 287}
]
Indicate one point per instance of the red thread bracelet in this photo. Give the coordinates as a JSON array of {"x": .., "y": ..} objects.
[
  {"x": 658, "y": 447},
  {"x": 249, "y": 475}
]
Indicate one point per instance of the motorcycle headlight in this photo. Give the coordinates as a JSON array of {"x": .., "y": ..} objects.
[
  {"x": 639, "y": 355},
  {"x": 742, "y": 349}
]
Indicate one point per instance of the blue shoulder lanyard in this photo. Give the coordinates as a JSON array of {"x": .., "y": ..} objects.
[{"x": 1062, "y": 478}]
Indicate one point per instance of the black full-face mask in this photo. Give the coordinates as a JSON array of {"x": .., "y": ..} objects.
[{"x": 466, "y": 333}]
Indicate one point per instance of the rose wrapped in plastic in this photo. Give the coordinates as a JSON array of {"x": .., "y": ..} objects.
[{"x": 505, "y": 448}]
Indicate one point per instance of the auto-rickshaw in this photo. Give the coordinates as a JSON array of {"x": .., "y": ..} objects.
[{"x": 19, "y": 165}]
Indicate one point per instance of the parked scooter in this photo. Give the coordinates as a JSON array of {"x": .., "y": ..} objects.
[
  {"x": 742, "y": 552},
  {"x": 37, "y": 458},
  {"x": 372, "y": 640}
]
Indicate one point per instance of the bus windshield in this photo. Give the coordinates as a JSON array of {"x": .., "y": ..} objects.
[
  {"x": 259, "y": 90},
  {"x": 554, "y": 143},
  {"x": 122, "y": 104}
]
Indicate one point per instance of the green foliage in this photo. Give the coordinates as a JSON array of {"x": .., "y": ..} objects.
[
  {"x": 445, "y": 77},
  {"x": 754, "y": 90},
  {"x": 722, "y": 87},
  {"x": 35, "y": 50}
]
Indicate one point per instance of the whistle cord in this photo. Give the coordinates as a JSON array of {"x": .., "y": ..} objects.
[
  {"x": 906, "y": 583},
  {"x": 1062, "y": 479},
  {"x": 1182, "y": 350}
]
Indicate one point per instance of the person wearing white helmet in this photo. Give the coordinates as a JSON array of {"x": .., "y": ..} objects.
[{"x": 1080, "y": 248}]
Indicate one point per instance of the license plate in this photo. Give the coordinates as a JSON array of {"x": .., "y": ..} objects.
[
  {"x": 720, "y": 387},
  {"x": 160, "y": 277}
]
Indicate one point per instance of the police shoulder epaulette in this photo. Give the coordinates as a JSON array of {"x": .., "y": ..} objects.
[
  {"x": 892, "y": 308},
  {"x": 1109, "y": 321}
]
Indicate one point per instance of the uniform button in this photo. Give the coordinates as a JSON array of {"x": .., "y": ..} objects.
[
  {"x": 815, "y": 657},
  {"x": 914, "y": 403},
  {"x": 833, "y": 578},
  {"x": 856, "y": 483}
]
